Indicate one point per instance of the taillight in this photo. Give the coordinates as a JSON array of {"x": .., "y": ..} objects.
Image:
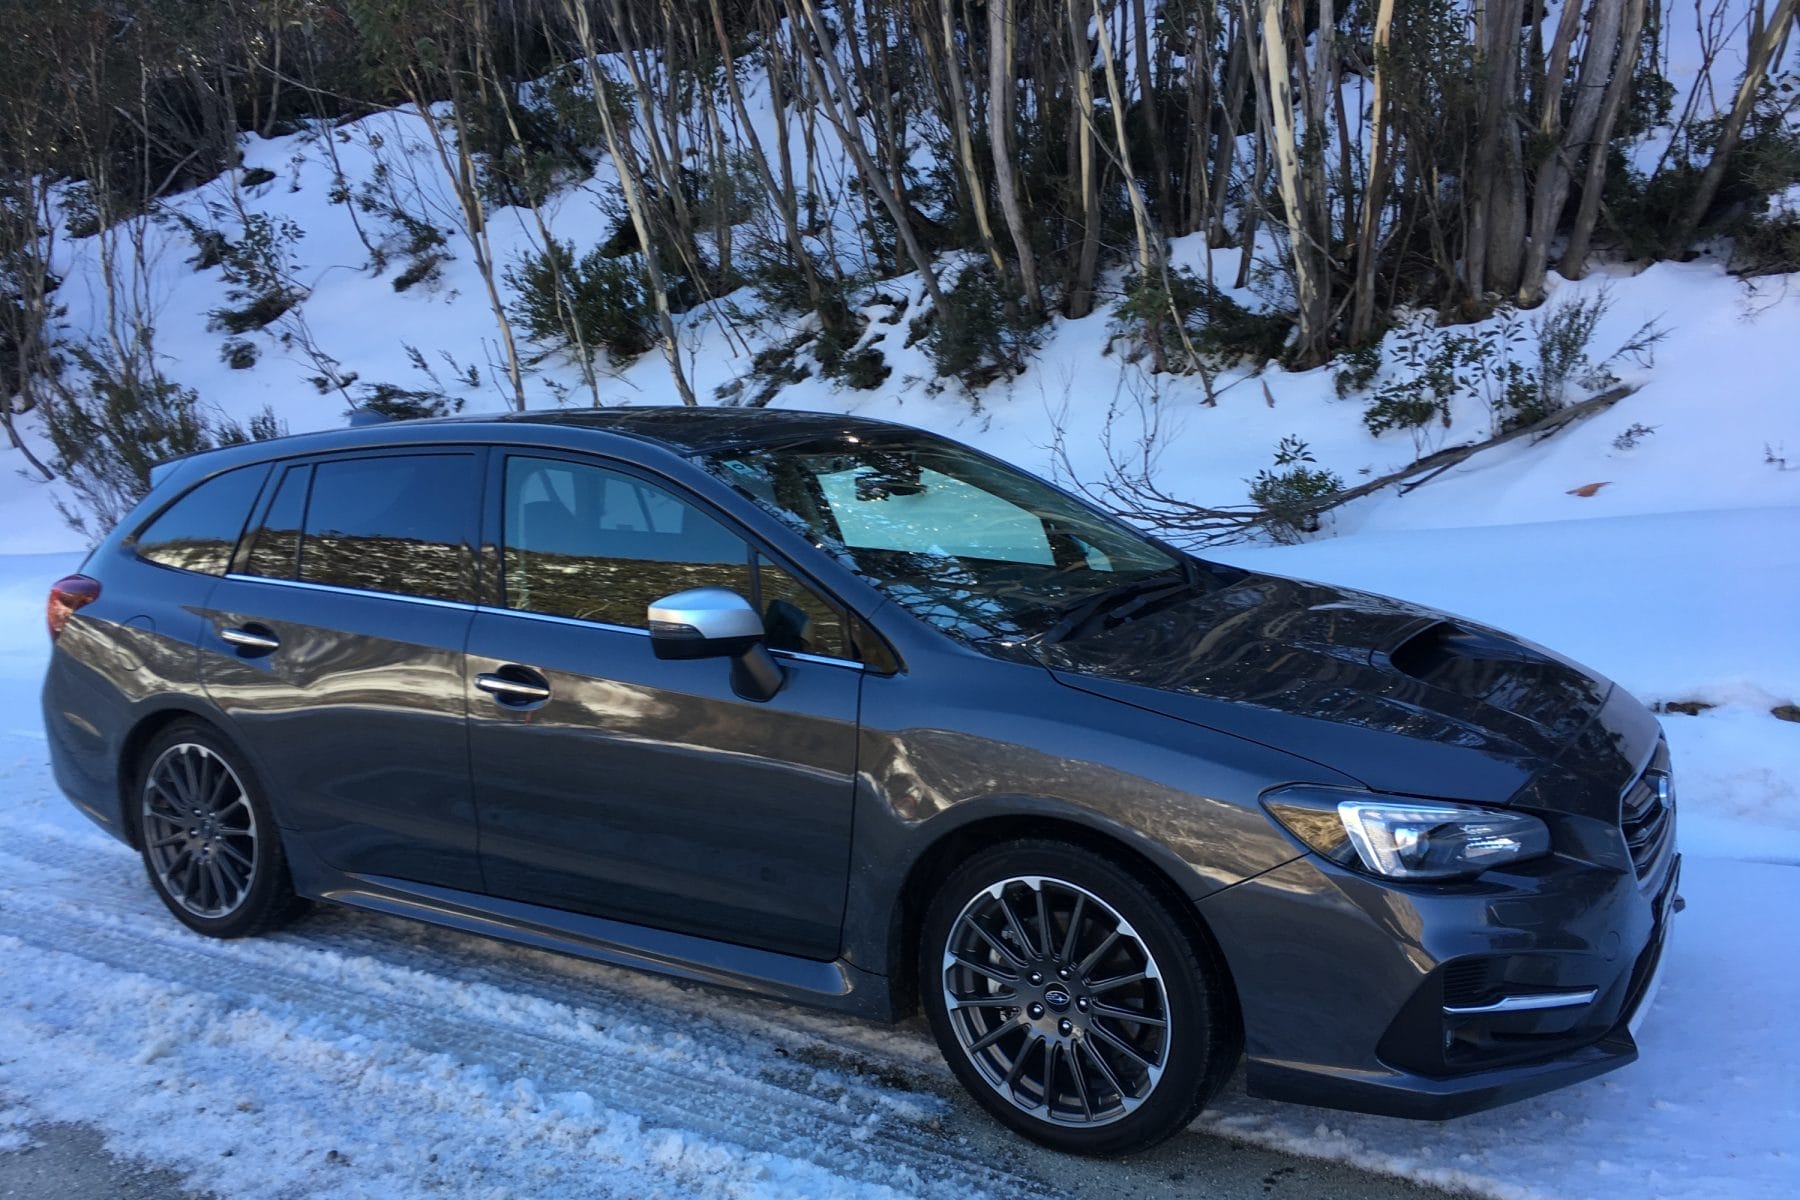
[{"x": 68, "y": 594}]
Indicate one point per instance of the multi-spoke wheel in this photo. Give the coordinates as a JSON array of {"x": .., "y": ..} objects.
[
  {"x": 209, "y": 845},
  {"x": 1071, "y": 1001}
]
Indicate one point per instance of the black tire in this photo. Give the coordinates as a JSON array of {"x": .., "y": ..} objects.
[
  {"x": 208, "y": 840},
  {"x": 1062, "y": 1066}
]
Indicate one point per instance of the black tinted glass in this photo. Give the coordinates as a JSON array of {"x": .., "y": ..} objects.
[
  {"x": 199, "y": 531},
  {"x": 395, "y": 524},
  {"x": 596, "y": 545},
  {"x": 798, "y": 618},
  {"x": 275, "y": 546}
]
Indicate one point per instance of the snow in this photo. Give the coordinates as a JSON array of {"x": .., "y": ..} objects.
[{"x": 358, "y": 1055}]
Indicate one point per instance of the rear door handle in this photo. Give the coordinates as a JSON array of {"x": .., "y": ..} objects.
[
  {"x": 518, "y": 686},
  {"x": 251, "y": 640}
]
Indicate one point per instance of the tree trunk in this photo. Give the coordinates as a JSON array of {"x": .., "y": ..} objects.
[
  {"x": 1000, "y": 130},
  {"x": 631, "y": 183},
  {"x": 840, "y": 110},
  {"x": 1762, "y": 49},
  {"x": 1276, "y": 86},
  {"x": 965, "y": 143},
  {"x": 1550, "y": 191},
  {"x": 1362, "y": 313},
  {"x": 1149, "y": 255},
  {"x": 1159, "y": 153},
  {"x": 1496, "y": 186},
  {"x": 1574, "y": 259},
  {"x": 1087, "y": 259}
]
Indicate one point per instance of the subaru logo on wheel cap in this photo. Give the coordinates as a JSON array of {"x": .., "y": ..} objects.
[{"x": 1057, "y": 998}]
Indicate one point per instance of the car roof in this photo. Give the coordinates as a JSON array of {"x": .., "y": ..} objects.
[
  {"x": 682, "y": 431},
  {"x": 692, "y": 431}
]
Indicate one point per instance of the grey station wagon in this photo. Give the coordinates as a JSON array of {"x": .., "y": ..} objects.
[{"x": 845, "y": 713}]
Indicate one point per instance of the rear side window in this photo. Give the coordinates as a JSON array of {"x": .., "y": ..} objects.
[
  {"x": 199, "y": 531},
  {"x": 398, "y": 524},
  {"x": 275, "y": 547}
]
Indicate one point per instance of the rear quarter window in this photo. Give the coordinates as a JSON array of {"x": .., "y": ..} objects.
[{"x": 200, "y": 530}]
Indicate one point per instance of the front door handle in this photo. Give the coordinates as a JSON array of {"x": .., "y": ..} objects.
[
  {"x": 510, "y": 689},
  {"x": 251, "y": 640}
]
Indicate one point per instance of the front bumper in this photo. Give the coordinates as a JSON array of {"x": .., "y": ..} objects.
[{"x": 1346, "y": 982}]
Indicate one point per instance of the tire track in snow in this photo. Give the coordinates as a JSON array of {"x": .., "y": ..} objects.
[{"x": 701, "y": 1076}]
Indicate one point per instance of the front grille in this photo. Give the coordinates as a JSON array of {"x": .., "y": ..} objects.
[{"x": 1645, "y": 817}]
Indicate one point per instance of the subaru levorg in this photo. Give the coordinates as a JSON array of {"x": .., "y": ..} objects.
[{"x": 842, "y": 712}]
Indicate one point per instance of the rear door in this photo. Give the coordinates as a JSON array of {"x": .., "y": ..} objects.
[
  {"x": 336, "y": 646},
  {"x": 613, "y": 783}
]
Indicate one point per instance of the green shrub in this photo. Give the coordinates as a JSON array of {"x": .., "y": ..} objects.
[
  {"x": 979, "y": 334},
  {"x": 1767, "y": 245},
  {"x": 419, "y": 270},
  {"x": 773, "y": 368},
  {"x": 404, "y": 404},
  {"x": 1164, "y": 319},
  {"x": 864, "y": 369},
  {"x": 260, "y": 311},
  {"x": 1291, "y": 495},
  {"x": 602, "y": 298},
  {"x": 1356, "y": 369},
  {"x": 238, "y": 354}
]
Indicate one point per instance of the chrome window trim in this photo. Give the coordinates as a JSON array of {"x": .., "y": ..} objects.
[
  {"x": 335, "y": 589},
  {"x": 1524, "y": 1003},
  {"x": 796, "y": 655},
  {"x": 339, "y": 590},
  {"x": 577, "y": 622}
]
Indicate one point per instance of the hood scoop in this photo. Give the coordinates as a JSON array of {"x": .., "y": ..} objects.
[{"x": 1482, "y": 665}]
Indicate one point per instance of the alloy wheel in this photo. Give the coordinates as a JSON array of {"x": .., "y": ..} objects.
[
  {"x": 1057, "y": 1001},
  {"x": 199, "y": 830}
]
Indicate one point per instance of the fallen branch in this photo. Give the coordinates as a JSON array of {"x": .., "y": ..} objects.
[{"x": 1127, "y": 490}]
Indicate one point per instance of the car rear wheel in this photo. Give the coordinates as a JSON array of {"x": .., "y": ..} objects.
[
  {"x": 1072, "y": 1001},
  {"x": 209, "y": 843}
]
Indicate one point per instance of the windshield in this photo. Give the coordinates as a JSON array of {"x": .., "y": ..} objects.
[{"x": 973, "y": 547}]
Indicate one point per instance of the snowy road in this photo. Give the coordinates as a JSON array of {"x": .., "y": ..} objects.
[{"x": 362, "y": 1055}]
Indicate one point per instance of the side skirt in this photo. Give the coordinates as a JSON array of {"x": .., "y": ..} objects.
[{"x": 835, "y": 985}]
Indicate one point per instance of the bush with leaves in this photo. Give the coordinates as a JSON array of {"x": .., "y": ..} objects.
[
  {"x": 1186, "y": 323},
  {"x": 1291, "y": 494},
  {"x": 1767, "y": 244},
  {"x": 595, "y": 301},
  {"x": 259, "y": 267},
  {"x": 1643, "y": 210},
  {"x": 109, "y": 429},
  {"x": 391, "y": 402},
  {"x": 1356, "y": 370},
  {"x": 980, "y": 334}
]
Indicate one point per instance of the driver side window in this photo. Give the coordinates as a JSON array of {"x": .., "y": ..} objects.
[{"x": 598, "y": 545}]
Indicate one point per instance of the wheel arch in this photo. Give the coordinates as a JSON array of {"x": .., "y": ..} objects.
[
  {"x": 1154, "y": 865},
  {"x": 143, "y": 731}
]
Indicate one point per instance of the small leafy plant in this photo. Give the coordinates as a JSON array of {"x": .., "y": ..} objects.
[{"x": 1292, "y": 494}]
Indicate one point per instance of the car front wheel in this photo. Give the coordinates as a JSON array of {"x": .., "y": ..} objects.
[{"x": 1071, "y": 1001}]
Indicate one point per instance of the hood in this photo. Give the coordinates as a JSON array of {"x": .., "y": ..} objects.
[{"x": 1403, "y": 698}]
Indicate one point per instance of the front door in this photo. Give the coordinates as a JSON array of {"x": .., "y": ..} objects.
[
  {"x": 336, "y": 648},
  {"x": 613, "y": 783}
]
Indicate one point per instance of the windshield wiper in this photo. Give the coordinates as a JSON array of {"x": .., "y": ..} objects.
[{"x": 1119, "y": 601}]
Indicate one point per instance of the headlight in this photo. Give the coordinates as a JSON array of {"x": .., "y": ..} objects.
[{"x": 1406, "y": 839}]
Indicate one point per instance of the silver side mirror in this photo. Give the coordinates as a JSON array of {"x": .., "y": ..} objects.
[{"x": 716, "y": 622}]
